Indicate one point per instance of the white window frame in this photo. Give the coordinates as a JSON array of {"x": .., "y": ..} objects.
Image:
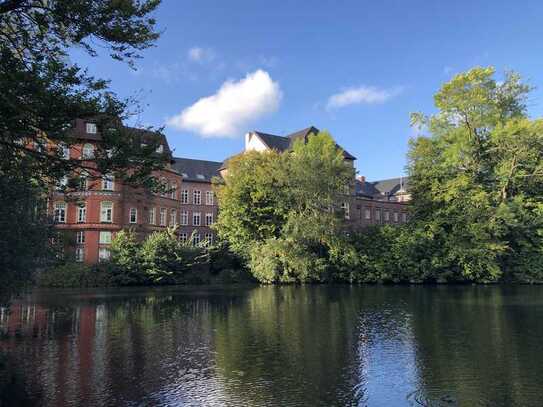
[
  {"x": 185, "y": 196},
  {"x": 196, "y": 216},
  {"x": 60, "y": 211},
  {"x": 106, "y": 212},
  {"x": 396, "y": 217},
  {"x": 163, "y": 215},
  {"x": 404, "y": 217},
  {"x": 80, "y": 237},
  {"x": 133, "y": 215},
  {"x": 210, "y": 198},
  {"x": 367, "y": 213},
  {"x": 88, "y": 151},
  {"x": 80, "y": 254},
  {"x": 209, "y": 219},
  {"x": 197, "y": 197},
  {"x": 387, "y": 216},
  {"x": 82, "y": 214},
  {"x": 173, "y": 191},
  {"x": 64, "y": 151},
  {"x": 173, "y": 217},
  {"x": 196, "y": 239},
  {"x": 108, "y": 182},
  {"x": 346, "y": 210},
  {"x": 105, "y": 237},
  {"x": 378, "y": 215},
  {"x": 104, "y": 254},
  {"x": 183, "y": 237},
  {"x": 90, "y": 128},
  {"x": 184, "y": 218},
  {"x": 208, "y": 239},
  {"x": 152, "y": 216}
]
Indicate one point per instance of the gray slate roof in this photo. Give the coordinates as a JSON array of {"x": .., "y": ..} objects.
[
  {"x": 382, "y": 188},
  {"x": 282, "y": 143},
  {"x": 196, "y": 170}
]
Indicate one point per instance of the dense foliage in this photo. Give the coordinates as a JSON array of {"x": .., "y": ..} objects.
[
  {"x": 159, "y": 259},
  {"x": 43, "y": 90},
  {"x": 281, "y": 212},
  {"x": 477, "y": 183}
]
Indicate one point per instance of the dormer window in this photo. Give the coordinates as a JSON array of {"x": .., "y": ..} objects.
[
  {"x": 160, "y": 149},
  {"x": 200, "y": 176},
  {"x": 91, "y": 128},
  {"x": 185, "y": 175}
]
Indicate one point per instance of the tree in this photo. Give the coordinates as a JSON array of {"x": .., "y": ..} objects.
[
  {"x": 42, "y": 92},
  {"x": 476, "y": 181},
  {"x": 281, "y": 211}
]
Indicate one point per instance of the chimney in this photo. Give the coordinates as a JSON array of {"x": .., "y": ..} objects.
[
  {"x": 362, "y": 179},
  {"x": 247, "y": 138}
]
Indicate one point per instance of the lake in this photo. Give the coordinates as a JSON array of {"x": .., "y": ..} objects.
[{"x": 276, "y": 346}]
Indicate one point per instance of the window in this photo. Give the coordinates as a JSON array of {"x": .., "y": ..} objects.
[
  {"x": 91, "y": 128},
  {"x": 209, "y": 197},
  {"x": 173, "y": 191},
  {"x": 208, "y": 239},
  {"x": 173, "y": 217},
  {"x": 185, "y": 196},
  {"x": 197, "y": 197},
  {"x": 79, "y": 254},
  {"x": 160, "y": 149},
  {"x": 105, "y": 237},
  {"x": 64, "y": 151},
  {"x": 183, "y": 237},
  {"x": 163, "y": 215},
  {"x": 209, "y": 219},
  {"x": 152, "y": 216},
  {"x": 107, "y": 182},
  {"x": 106, "y": 212},
  {"x": 196, "y": 239},
  {"x": 81, "y": 214},
  {"x": 404, "y": 217},
  {"x": 80, "y": 237},
  {"x": 184, "y": 218},
  {"x": 396, "y": 217},
  {"x": 103, "y": 254},
  {"x": 367, "y": 213},
  {"x": 196, "y": 219},
  {"x": 387, "y": 216},
  {"x": 378, "y": 215},
  {"x": 60, "y": 212},
  {"x": 133, "y": 217},
  {"x": 164, "y": 186},
  {"x": 200, "y": 176},
  {"x": 82, "y": 182},
  {"x": 345, "y": 208},
  {"x": 88, "y": 151},
  {"x": 62, "y": 183}
]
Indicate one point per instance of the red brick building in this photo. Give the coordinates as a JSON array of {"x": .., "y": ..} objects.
[{"x": 100, "y": 206}]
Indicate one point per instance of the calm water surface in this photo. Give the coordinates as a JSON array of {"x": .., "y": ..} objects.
[{"x": 277, "y": 346}]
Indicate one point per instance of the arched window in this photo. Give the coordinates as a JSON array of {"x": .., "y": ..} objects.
[
  {"x": 106, "y": 211},
  {"x": 88, "y": 151}
]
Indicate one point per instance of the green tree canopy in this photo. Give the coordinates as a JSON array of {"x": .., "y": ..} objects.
[
  {"x": 476, "y": 181},
  {"x": 281, "y": 211}
]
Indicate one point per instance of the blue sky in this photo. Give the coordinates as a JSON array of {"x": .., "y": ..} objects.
[{"x": 355, "y": 68}]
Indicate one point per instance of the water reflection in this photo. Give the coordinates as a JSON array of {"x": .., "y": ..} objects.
[{"x": 287, "y": 346}]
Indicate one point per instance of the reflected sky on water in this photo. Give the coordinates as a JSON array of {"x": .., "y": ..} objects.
[{"x": 277, "y": 346}]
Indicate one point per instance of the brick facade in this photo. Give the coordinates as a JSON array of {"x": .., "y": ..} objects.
[{"x": 97, "y": 209}]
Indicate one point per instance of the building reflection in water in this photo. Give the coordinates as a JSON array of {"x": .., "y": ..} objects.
[{"x": 312, "y": 345}]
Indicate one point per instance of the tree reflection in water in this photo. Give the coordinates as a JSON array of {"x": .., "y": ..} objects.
[{"x": 288, "y": 346}]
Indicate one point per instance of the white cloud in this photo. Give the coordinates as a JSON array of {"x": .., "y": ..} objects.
[
  {"x": 199, "y": 54},
  {"x": 232, "y": 108},
  {"x": 362, "y": 94}
]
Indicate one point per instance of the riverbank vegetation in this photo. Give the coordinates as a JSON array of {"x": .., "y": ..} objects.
[
  {"x": 159, "y": 259},
  {"x": 476, "y": 181}
]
